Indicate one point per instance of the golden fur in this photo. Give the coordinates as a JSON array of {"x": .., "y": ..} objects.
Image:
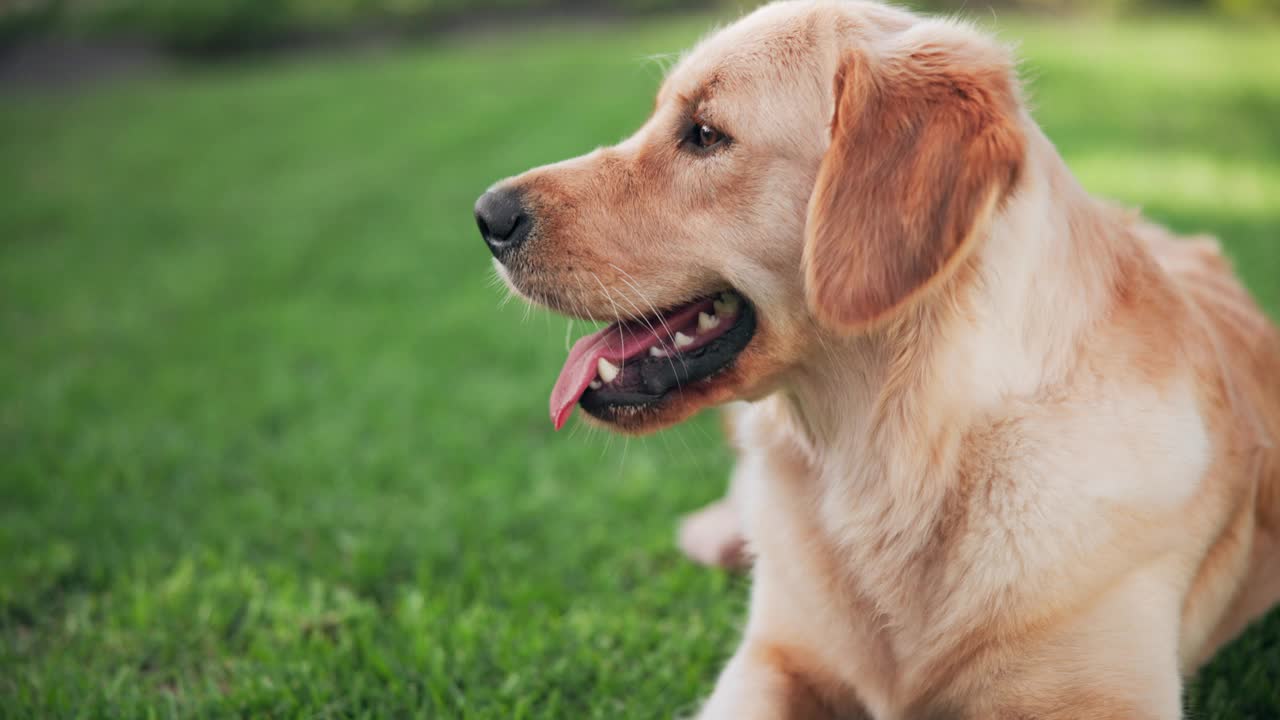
[{"x": 1009, "y": 451}]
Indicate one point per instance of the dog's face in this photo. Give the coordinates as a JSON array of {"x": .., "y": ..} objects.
[{"x": 805, "y": 171}]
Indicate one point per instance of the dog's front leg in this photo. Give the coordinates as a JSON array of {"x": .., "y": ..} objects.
[
  {"x": 714, "y": 535},
  {"x": 760, "y": 684}
]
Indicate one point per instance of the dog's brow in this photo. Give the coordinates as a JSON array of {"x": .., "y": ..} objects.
[
  {"x": 702, "y": 92},
  {"x": 692, "y": 100}
]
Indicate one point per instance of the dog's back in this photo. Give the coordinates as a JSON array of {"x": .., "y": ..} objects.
[
  {"x": 1239, "y": 342},
  {"x": 1243, "y": 341}
]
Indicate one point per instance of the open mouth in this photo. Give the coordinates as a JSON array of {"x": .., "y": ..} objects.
[{"x": 638, "y": 363}]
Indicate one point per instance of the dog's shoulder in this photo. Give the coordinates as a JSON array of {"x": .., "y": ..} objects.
[{"x": 1184, "y": 313}]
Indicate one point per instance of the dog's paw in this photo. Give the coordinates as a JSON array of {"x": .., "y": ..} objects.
[{"x": 713, "y": 537}]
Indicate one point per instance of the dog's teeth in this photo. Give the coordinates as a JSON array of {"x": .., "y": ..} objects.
[
  {"x": 656, "y": 351},
  {"x": 608, "y": 371},
  {"x": 706, "y": 322},
  {"x": 683, "y": 340},
  {"x": 595, "y": 385},
  {"x": 726, "y": 305}
]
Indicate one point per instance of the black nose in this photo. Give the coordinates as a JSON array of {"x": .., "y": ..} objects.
[{"x": 502, "y": 221}]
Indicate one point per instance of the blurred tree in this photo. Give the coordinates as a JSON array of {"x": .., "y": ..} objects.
[
  {"x": 24, "y": 18},
  {"x": 204, "y": 26}
]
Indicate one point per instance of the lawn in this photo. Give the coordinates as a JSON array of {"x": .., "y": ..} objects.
[{"x": 270, "y": 447}]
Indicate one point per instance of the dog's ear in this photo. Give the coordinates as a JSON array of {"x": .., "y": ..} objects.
[{"x": 925, "y": 144}]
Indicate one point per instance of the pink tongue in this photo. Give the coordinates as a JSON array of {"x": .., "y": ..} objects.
[{"x": 611, "y": 343}]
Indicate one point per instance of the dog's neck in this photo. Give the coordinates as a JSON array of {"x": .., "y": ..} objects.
[{"x": 1005, "y": 327}]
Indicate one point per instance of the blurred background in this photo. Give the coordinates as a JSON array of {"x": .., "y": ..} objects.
[
  {"x": 272, "y": 445},
  {"x": 221, "y": 26}
]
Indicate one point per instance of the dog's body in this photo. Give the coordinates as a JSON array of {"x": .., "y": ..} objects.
[
  {"x": 1070, "y": 551},
  {"x": 1011, "y": 452}
]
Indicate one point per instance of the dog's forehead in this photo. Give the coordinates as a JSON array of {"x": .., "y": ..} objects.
[
  {"x": 756, "y": 47},
  {"x": 777, "y": 39}
]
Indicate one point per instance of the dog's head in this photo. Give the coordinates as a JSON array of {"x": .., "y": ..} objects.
[{"x": 810, "y": 170}]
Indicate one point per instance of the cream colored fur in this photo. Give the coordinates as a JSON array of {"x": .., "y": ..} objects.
[{"x": 1042, "y": 485}]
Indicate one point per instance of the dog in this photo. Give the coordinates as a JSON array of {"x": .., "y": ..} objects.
[{"x": 1005, "y": 450}]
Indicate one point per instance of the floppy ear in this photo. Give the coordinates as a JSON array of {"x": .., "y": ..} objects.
[{"x": 924, "y": 146}]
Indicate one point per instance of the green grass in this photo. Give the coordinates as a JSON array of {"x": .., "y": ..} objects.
[{"x": 268, "y": 446}]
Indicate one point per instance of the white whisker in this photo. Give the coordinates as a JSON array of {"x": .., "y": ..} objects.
[
  {"x": 616, "y": 311},
  {"x": 634, "y": 286},
  {"x": 622, "y": 463}
]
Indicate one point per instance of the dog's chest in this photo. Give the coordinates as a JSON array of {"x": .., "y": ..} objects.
[{"x": 1020, "y": 518}]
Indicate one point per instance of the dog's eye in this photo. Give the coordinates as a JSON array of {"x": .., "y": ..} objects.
[{"x": 703, "y": 137}]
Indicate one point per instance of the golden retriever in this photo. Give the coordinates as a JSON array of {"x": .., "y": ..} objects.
[{"x": 1009, "y": 452}]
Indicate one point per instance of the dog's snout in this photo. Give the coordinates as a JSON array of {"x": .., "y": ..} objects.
[{"x": 502, "y": 220}]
